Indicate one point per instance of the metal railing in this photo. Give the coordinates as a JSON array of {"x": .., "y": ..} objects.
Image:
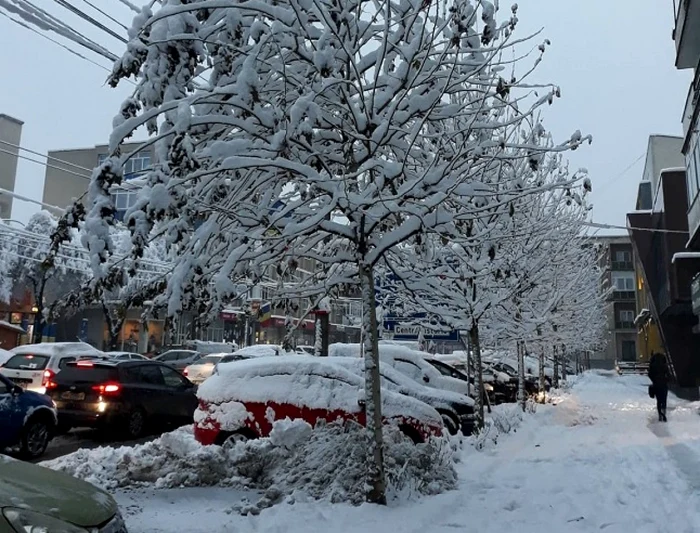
[{"x": 631, "y": 367}]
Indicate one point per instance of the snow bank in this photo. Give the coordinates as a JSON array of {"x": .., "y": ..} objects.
[
  {"x": 295, "y": 463},
  {"x": 504, "y": 419}
]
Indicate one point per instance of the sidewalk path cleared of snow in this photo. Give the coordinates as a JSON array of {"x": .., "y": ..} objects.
[{"x": 595, "y": 461}]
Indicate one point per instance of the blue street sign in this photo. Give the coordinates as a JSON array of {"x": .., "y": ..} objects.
[{"x": 410, "y": 328}]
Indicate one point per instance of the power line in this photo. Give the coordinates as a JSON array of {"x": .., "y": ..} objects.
[
  {"x": 70, "y": 7},
  {"x": 620, "y": 174},
  {"x": 130, "y": 6},
  {"x": 93, "y": 6},
  {"x": 628, "y": 228},
  {"x": 46, "y": 156},
  {"x": 81, "y": 56}
]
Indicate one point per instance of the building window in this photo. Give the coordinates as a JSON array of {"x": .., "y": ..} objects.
[
  {"x": 692, "y": 162},
  {"x": 623, "y": 281},
  {"x": 135, "y": 166},
  {"x": 626, "y": 316},
  {"x": 629, "y": 351},
  {"x": 623, "y": 256},
  {"x": 123, "y": 200}
]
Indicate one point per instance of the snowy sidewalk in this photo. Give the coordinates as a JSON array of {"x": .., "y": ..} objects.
[{"x": 597, "y": 461}]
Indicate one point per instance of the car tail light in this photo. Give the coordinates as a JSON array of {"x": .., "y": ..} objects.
[
  {"x": 185, "y": 371},
  {"x": 47, "y": 377},
  {"x": 106, "y": 389},
  {"x": 85, "y": 363}
]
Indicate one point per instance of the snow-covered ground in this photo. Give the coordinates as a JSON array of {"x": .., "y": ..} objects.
[{"x": 597, "y": 460}]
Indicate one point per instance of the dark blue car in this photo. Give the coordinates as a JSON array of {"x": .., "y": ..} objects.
[{"x": 27, "y": 419}]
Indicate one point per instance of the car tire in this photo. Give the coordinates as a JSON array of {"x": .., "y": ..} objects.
[
  {"x": 450, "y": 423},
  {"x": 135, "y": 424},
  {"x": 35, "y": 438},
  {"x": 228, "y": 439}
]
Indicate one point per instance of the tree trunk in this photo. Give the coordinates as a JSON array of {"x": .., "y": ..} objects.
[
  {"x": 318, "y": 336},
  {"x": 522, "y": 395},
  {"x": 38, "y": 334},
  {"x": 376, "y": 482},
  {"x": 563, "y": 362},
  {"x": 555, "y": 360},
  {"x": 478, "y": 375},
  {"x": 543, "y": 380}
]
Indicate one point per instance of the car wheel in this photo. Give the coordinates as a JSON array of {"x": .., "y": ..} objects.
[
  {"x": 35, "y": 438},
  {"x": 135, "y": 423},
  {"x": 229, "y": 440},
  {"x": 450, "y": 423},
  {"x": 411, "y": 433}
]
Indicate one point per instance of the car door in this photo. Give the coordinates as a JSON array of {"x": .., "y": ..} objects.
[
  {"x": 146, "y": 388},
  {"x": 181, "y": 392},
  {"x": 11, "y": 415}
]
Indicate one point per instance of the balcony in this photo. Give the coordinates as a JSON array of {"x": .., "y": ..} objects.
[
  {"x": 624, "y": 325},
  {"x": 622, "y": 266},
  {"x": 686, "y": 34},
  {"x": 625, "y": 296}
]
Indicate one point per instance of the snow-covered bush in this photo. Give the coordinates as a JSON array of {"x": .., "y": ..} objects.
[
  {"x": 504, "y": 419},
  {"x": 296, "y": 462}
]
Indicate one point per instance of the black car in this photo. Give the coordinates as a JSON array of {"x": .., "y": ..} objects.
[
  {"x": 532, "y": 385},
  {"x": 179, "y": 358},
  {"x": 494, "y": 391},
  {"x": 127, "y": 396}
]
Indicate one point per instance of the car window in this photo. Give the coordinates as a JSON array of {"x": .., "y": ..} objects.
[
  {"x": 410, "y": 369},
  {"x": 169, "y": 356},
  {"x": 27, "y": 362},
  {"x": 171, "y": 377},
  {"x": 148, "y": 374},
  {"x": 63, "y": 362}
]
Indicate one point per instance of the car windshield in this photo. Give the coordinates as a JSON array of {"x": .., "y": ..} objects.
[{"x": 27, "y": 362}]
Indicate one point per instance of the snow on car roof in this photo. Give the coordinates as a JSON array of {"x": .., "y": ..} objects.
[
  {"x": 356, "y": 366},
  {"x": 57, "y": 348},
  {"x": 259, "y": 350},
  {"x": 298, "y": 380}
]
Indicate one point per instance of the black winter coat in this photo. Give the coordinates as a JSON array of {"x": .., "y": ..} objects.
[{"x": 658, "y": 370}]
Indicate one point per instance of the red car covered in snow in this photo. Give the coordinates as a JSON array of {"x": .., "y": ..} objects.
[{"x": 243, "y": 399}]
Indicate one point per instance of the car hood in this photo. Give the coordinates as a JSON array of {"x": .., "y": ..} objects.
[{"x": 53, "y": 493}]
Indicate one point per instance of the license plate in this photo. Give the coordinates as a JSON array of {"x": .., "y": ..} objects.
[
  {"x": 24, "y": 383},
  {"x": 73, "y": 396}
]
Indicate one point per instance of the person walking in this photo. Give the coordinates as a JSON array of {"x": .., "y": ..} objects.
[{"x": 659, "y": 376}]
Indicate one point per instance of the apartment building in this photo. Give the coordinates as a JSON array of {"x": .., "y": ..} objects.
[
  {"x": 10, "y": 137},
  {"x": 618, "y": 281}
]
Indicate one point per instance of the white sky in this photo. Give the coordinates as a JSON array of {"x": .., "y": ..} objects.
[{"x": 614, "y": 60}]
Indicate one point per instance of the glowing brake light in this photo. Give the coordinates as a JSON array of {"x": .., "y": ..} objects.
[
  {"x": 85, "y": 363},
  {"x": 185, "y": 371},
  {"x": 46, "y": 379},
  {"x": 107, "y": 388}
]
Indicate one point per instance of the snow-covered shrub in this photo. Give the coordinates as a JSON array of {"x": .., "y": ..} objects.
[
  {"x": 504, "y": 419},
  {"x": 296, "y": 462}
]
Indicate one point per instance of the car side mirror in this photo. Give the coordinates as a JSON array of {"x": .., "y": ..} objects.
[{"x": 361, "y": 398}]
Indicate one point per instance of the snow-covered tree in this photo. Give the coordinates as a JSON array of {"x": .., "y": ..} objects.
[
  {"x": 326, "y": 130},
  {"x": 31, "y": 268}
]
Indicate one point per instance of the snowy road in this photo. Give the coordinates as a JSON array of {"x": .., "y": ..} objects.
[
  {"x": 596, "y": 461},
  {"x": 82, "y": 438}
]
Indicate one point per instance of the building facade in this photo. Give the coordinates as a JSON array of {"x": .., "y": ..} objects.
[
  {"x": 618, "y": 282},
  {"x": 68, "y": 178},
  {"x": 10, "y": 138}
]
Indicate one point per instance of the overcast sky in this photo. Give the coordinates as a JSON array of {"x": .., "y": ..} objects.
[{"x": 614, "y": 61}]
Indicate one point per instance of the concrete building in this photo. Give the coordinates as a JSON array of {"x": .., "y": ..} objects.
[
  {"x": 10, "y": 137},
  {"x": 68, "y": 177},
  {"x": 617, "y": 265}
]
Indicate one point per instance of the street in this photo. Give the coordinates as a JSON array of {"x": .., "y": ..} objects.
[{"x": 83, "y": 438}]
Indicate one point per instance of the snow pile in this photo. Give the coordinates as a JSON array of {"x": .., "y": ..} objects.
[
  {"x": 173, "y": 460},
  {"x": 295, "y": 463}
]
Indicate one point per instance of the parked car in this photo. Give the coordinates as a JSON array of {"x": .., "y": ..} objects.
[
  {"x": 243, "y": 399},
  {"x": 34, "y": 498},
  {"x": 130, "y": 397},
  {"x": 178, "y": 359},
  {"x": 504, "y": 369},
  {"x": 27, "y": 419},
  {"x": 126, "y": 356},
  {"x": 305, "y": 350},
  {"x": 204, "y": 367},
  {"x": 456, "y": 410},
  {"x": 32, "y": 366},
  {"x": 448, "y": 370}
]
